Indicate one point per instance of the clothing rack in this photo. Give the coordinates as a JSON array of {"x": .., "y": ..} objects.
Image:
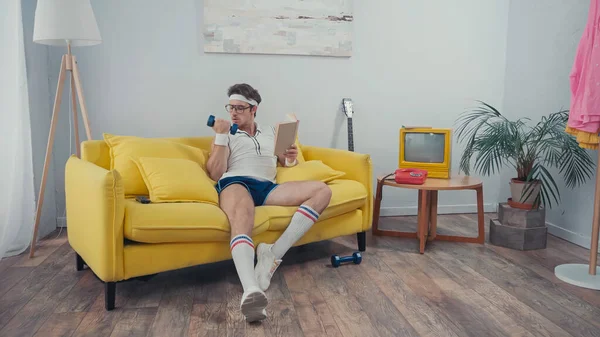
[
  {"x": 595, "y": 222},
  {"x": 583, "y": 275}
]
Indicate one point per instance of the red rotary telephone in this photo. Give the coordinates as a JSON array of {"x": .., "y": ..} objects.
[{"x": 410, "y": 176}]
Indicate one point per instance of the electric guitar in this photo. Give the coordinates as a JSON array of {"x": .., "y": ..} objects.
[{"x": 349, "y": 111}]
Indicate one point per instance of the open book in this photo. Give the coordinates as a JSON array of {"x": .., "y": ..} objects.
[{"x": 286, "y": 134}]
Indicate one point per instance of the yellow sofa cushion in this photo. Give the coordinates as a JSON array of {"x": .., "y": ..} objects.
[
  {"x": 346, "y": 196},
  {"x": 123, "y": 148},
  {"x": 144, "y": 259},
  {"x": 203, "y": 222},
  {"x": 181, "y": 222},
  {"x": 308, "y": 170},
  {"x": 176, "y": 180}
]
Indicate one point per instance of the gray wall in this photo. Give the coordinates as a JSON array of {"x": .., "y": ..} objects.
[
  {"x": 542, "y": 40},
  {"x": 414, "y": 63},
  {"x": 37, "y": 57}
]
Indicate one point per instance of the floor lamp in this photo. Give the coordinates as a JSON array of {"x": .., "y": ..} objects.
[{"x": 64, "y": 23}]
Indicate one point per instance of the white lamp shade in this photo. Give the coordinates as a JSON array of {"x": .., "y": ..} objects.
[{"x": 57, "y": 21}]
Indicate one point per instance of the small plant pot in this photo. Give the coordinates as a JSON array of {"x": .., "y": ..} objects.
[
  {"x": 520, "y": 200},
  {"x": 519, "y": 205}
]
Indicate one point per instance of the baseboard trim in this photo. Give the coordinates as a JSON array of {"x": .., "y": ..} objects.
[
  {"x": 442, "y": 209},
  {"x": 61, "y": 222},
  {"x": 576, "y": 238}
]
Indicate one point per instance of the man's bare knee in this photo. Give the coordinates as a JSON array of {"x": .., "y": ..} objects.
[
  {"x": 238, "y": 206},
  {"x": 321, "y": 197},
  {"x": 325, "y": 193},
  {"x": 325, "y": 190}
]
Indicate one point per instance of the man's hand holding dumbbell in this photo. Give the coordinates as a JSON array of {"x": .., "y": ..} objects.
[
  {"x": 221, "y": 126},
  {"x": 211, "y": 122},
  {"x": 220, "y": 148}
]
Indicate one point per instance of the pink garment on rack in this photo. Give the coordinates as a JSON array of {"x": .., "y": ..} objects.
[{"x": 584, "y": 78}]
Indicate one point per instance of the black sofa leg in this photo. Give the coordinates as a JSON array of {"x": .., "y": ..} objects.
[
  {"x": 110, "y": 289},
  {"x": 362, "y": 241},
  {"x": 80, "y": 262}
]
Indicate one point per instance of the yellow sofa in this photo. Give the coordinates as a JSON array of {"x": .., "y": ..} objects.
[{"x": 119, "y": 238}]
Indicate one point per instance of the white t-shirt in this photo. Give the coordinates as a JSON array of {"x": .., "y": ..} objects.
[{"x": 252, "y": 155}]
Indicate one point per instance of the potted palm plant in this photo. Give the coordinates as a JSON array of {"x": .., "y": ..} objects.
[{"x": 494, "y": 142}]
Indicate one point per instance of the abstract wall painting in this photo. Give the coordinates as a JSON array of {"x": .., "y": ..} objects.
[{"x": 285, "y": 27}]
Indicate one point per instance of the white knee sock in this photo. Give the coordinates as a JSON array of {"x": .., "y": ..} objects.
[
  {"x": 301, "y": 222},
  {"x": 242, "y": 251}
]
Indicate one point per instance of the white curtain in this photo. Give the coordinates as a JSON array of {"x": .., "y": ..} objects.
[{"x": 17, "y": 199}]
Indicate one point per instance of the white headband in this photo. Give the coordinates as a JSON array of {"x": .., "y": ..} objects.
[{"x": 243, "y": 99}]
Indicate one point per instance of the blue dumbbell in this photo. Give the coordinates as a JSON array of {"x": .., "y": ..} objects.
[
  {"x": 336, "y": 260},
  {"x": 211, "y": 122}
]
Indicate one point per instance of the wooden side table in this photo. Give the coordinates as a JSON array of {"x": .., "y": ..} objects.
[{"x": 427, "y": 209}]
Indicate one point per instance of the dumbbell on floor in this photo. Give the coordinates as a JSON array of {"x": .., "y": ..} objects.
[
  {"x": 211, "y": 122},
  {"x": 336, "y": 260}
]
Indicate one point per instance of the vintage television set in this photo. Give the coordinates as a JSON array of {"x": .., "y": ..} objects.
[{"x": 426, "y": 148}]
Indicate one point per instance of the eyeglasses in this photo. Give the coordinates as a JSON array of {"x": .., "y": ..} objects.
[{"x": 230, "y": 108}]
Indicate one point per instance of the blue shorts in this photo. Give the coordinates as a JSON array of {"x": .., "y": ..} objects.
[{"x": 259, "y": 189}]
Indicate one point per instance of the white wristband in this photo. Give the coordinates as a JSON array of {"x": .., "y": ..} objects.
[
  {"x": 287, "y": 163},
  {"x": 222, "y": 139}
]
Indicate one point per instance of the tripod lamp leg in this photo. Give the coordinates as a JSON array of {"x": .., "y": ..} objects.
[{"x": 49, "y": 145}]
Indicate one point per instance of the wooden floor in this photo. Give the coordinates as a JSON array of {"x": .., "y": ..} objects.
[{"x": 454, "y": 289}]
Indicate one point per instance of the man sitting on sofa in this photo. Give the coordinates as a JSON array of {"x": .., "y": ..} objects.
[{"x": 245, "y": 167}]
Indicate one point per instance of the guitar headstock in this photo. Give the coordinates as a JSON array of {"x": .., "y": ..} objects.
[{"x": 348, "y": 107}]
